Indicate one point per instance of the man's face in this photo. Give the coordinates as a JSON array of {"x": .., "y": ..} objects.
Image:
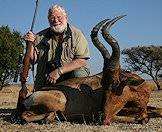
[{"x": 57, "y": 21}]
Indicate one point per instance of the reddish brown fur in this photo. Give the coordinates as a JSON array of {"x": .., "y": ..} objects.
[
  {"x": 46, "y": 103},
  {"x": 138, "y": 94},
  {"x": 122, "y": 87},
  {"x": 114, "y": 103}
]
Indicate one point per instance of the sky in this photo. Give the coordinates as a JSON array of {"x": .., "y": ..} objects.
[{"x": 141, "y": 26}]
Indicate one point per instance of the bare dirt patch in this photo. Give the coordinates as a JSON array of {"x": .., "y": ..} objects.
[{"x": 8, "y": 100}]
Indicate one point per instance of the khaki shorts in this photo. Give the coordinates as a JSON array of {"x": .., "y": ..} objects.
[{"x": 81, "y": 72}]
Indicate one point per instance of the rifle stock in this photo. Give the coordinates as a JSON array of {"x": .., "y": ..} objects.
[
  {"x": 26, "y": 62},
  {"x": 25, "y": 69}
]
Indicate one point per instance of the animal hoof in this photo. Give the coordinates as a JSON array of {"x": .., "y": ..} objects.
[
  {"x": 145, "y": 121},
  {"x": 106, "y": 122}
]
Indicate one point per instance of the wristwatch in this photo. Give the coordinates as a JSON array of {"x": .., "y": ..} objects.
[{"x": 60, "y": 72}]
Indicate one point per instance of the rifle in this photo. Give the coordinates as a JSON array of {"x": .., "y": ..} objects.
[{"x": 26, "y": 64}]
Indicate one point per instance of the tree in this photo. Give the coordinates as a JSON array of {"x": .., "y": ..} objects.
[
  {"x": 144, "y": 59},
  {"x": 160, "y": 75},
  {"x": 10, "y": 48}
]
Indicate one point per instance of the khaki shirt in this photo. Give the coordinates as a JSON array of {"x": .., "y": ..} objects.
[{"x": 73, "y": 46}]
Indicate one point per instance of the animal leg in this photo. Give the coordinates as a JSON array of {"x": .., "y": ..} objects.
[
  {"x": 84, "y": 119},
  {"x": 112, "y": 106},
  {"x": 142, "y": 116},
  {"x": 57, "y": 117},
  {"x": 154, "y": 111},
  {"x": 30, "y": 116},
  {"x": 51, "y": 117},
  {"x": 63, "y": 116},
  {"x": 124, "y": 119}
]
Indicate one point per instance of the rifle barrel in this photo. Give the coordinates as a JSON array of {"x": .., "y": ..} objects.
[{"x": 35, "y": 13}]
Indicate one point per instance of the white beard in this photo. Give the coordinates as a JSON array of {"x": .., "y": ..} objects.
[{"x": 58, "y": 28}]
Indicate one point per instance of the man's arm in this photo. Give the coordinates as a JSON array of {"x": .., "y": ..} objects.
[
  {"x": 75, "y": 64},
  {"x": 30, "y": 36}
]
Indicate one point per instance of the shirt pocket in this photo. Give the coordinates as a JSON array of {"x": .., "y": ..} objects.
[{"x": 68, "y": 52}]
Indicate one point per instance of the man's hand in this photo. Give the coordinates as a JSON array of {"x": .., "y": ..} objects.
[
  {"x": 30, "y": 39},
  {"x": 30, "y": 36},
  {"x": 53, "y": 76}
]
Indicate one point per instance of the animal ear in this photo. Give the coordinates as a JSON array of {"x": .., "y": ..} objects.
[
  {"x": 134, "y": 81},
  {"x": 131, "y": 78}
]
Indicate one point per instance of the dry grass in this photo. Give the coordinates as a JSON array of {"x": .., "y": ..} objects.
[
  {"x": 153, "y": 85},
  {"x": 8, "y": 99}
]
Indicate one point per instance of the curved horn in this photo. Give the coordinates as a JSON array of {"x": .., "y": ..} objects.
[
  {"x": 114, "y": 59},
  {"x": 96, "y": 41}
]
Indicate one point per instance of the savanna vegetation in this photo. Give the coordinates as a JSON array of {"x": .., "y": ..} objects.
[
  {"x": 144, "y": 60},
  {"x": 10, "y": 48}
]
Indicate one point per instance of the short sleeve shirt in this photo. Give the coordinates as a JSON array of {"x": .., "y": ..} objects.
[{"x": 74, "y": 45}]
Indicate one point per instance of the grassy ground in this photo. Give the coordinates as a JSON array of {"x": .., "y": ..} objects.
[
  {"x": 8, "y": 100},
  {"x": 152, "y": 84}
]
